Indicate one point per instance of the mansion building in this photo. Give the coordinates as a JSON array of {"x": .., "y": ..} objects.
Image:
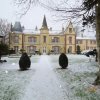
[{"x": 45, "y": 40}]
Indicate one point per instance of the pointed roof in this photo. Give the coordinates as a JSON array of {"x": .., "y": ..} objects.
[
  {"x": 17, "y": 27},
  {"x": 44, "y": 24},
  {"x": 69, "y": 25}
]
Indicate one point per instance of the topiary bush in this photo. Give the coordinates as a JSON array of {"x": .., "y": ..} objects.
[
  {"x": 63, "y": 61},
  {"x": 24, "y": 62}
]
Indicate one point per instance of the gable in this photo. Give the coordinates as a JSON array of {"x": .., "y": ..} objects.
[{"x": 69, "y": 29}]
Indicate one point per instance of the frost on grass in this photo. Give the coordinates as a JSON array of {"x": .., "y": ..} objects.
[
  {"x": 78, "y": 78},
  {"x": 12, "y": 81}
]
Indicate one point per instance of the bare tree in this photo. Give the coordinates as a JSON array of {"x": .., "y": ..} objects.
[
  {"x": 4, "y": 28},
  {"x": 24, "y": 6}
]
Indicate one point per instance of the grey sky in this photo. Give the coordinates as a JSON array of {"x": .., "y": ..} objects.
[{"x": 32, "y": 19}]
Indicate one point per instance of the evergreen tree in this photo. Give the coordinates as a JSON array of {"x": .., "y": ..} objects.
[{"x": 78, "y": 49}]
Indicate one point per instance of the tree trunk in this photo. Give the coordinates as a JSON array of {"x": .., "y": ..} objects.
[{"x": 97, "y": 81}]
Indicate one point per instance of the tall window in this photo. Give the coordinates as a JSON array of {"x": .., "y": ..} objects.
[
  {"x": 16, "y": 49},
  {"x": 70, "y": 49},
  {"x": 92, "y": 42},
  {"x": 44, "y": 39},
  {"x": 16, "y": 39},
  {"x": 31, "y": 49},
  {"x": 29, "y": 39},
  {"x": 55, "y": 39},
  {"x": 32, "y": 39},
  {"x": 55, "y": 49},
  {"x": 70, "y": 40},
  {"x": 79, "y": 41},
  {"x": 76, "y": 41},
  {"x": 70, "y": 30}
]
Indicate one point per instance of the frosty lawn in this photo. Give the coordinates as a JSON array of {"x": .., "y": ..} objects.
[{"x": 47, "y": 81}]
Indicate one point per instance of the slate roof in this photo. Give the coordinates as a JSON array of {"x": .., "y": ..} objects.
[{"x": 17, "y": 27}]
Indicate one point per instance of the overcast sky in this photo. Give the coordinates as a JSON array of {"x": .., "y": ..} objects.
[{"x": 33, "y": 18}]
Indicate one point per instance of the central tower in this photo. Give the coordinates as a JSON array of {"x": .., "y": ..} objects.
[{"x": 44, "y": 37}]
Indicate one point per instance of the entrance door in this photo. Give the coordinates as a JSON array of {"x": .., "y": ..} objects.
[
  {"x": 44, "y": 50},
  {"x": 70, "y": 49},
  {"x": 16, "y": 49}
]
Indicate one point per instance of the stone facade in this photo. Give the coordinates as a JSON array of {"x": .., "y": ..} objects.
[{"x": 45, "y": 41}]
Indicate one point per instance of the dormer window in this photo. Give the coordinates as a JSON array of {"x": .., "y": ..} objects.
[{"x": 70, "y": 30}]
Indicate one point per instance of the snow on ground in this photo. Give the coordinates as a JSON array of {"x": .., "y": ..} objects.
[
  {"x": 78, "y": 78},
  {"x": 47, "y": 81},
  {"x": 44, "y": 84},
  {"x": 12, "y": 81}
]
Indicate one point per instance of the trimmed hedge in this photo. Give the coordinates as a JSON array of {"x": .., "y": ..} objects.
[
  {"x": 63, "y": 61},
  {"x": 24, "y": 62}
]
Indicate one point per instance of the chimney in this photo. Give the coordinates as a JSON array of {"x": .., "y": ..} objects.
[
  {"x": 50, "y": 28},
  {"x": 62, "y": 29}
]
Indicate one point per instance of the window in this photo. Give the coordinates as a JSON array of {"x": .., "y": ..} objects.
[
  {"x": 76, "y": 41},
  {"x": 16, "y": 39},
  {"x": 55, "y": 39},
  {"x": 80, "y": 41},
  {"x": 70, "y": 30},
  {"x": 70, "y": 40},
  {"x": 29, "y": 39},
  {"x": 34, "y": 48},
  {"x": 92, "y": 42},
  {"x": 28, "y": 49},
  {"x": 16, "y": 49},
  {"x": 44, "y": 39},
  {"x": 55, "y": 49},
  {"x": 32, "y": 39},
  {"x": 70, "y": 49},
  {"x": 87, "y": 47},
  {"x": 31, "y": 49}
]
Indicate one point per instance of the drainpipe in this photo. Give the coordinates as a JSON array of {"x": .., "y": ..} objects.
[
  {"x": 22, "y": 42},
  {"x": 65, "y": 44}
]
